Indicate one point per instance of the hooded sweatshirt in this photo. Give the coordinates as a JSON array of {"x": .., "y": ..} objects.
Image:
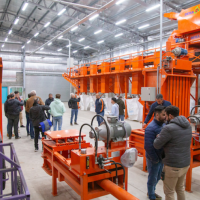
[
  {"x": 57, "y": 108},
  {"x": 175, "y": 138}
]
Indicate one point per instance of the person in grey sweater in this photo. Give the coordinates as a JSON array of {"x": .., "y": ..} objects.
[{"x": 175, "y": 139}]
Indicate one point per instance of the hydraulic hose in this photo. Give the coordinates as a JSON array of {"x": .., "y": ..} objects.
[
  {"x": 194, "y": 108},
  {"x": 108, "y": 131},
  {"x": 114, "y": 163},
  {"x": 123, "y": 174},
  {"x": 96, "y": 141}
]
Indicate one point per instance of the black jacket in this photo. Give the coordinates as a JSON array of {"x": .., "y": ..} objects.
[
  {"x": 121, "y": 104},
  {"x": 13, "y": 107},
  {"x": 48, "y": 101},
  {"x": 37, "y": 115},
  {"x": 74, "y": 102},
  {"x": 175, "y": 138}
]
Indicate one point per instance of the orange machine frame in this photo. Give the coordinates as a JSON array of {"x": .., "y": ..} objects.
[{"x": 63, "y": 161}]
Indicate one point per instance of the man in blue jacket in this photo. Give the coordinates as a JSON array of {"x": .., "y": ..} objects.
[
  {"x": 159, "y": 101},
  {"x": 99, "y": 108},
  {"x": 153, "y": 156}
]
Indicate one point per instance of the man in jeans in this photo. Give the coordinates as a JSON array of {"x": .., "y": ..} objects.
[
  {"x": 57, "y": 109},
  {"x": 121, "y": 104},
  {"x": 175, "y": 139},
  {"x": 28, "y": 127},
  {"x": 153, "y": 156},
  {"x": 99, "y": 108},
  {"x": 73, "y": 104},
  {"x": 12, "y": 110}
]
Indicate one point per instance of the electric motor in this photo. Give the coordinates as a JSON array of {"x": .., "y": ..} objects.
[
  {"x": 118, "y": 130},
  {"x": 179, "y": 51}
]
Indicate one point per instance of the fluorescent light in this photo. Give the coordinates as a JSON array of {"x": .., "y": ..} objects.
[
  {"x": 6, "y": 39},
  {"x": 100, "y": 42},
  {"x": 97, "y": 32},
  {"x": 41, "y": 48},
  {"x": 120, "y": 22},
  {"x": 86, "y": 47},
  {"x": 81, "y": 39},
  {"x": 153, "y": 7},
  {"x": 28, "y": 41},
  {"x": 47, "y": 24},
  {"x": 119, "y": 2},
  {"x": 23, "y": 47},
  {"x": 118, "y": 34},
  {"x": 2, "y": 46},
  {"x": 69, "y": 45},
  {"x": 144, "y": 26},
  {"x": 59, "y": 50},
  {"x": 36, "y": 34},
  {"x": 73, "y": 29},
  {"x": 49, "y": 43},
  {"x": 10, "y": 31},
  {"x": 60, "y": 37},
  {"x": 94, "y": 17},
  {"x": 16, "y": 21},
  {"x": 75, "y": 51},
  {"x": 25, "y": 6},
  {"x": 62, "y": 11}
]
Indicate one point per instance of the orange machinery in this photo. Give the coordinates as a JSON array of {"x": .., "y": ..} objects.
[
  {"x": 1, "y": 112},
  {"x": 88, "y": 170}
]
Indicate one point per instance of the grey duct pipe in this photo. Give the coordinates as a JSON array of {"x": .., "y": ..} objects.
[{"x": 24, "y": 72}]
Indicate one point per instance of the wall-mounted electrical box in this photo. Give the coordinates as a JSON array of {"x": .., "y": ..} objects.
[{"x": 148, "y": 93}]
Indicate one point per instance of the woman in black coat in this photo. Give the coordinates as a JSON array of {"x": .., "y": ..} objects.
[{"x": 37, "y": 116}]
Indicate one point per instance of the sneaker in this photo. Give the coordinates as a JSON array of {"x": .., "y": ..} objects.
[
  {"x": 22, "y": 126},
  {"x": 76, "y": 123},
  {"x": 36, "y": 150},
  {"x": 71, "y": 124},
  {"x": 18, "y": 137},
  {"x": 7, "y": 135},
  {"x": 158, "y": 197}
]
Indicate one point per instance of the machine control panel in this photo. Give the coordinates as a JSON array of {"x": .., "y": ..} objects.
[{"x": 148, "y": 93}]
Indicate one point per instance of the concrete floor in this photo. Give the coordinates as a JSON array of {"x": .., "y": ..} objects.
[{"x": 39, "y": 183}]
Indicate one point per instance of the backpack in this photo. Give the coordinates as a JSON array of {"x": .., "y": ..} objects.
[{"x": 70, "y": 104}]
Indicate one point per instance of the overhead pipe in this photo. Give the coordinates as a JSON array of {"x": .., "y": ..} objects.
[{"x": 115, "y": 190}]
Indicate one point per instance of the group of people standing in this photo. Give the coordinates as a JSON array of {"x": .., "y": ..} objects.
[{"x": 167, "y": 144}]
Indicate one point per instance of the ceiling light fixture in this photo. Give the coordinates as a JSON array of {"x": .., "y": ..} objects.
[
  {"x": 59, "y": 50},
  {"x": 94, "y": 17},
  {"x": 153, "y": 7},
  {"x": 25, "y": 6},
  {"x": 144, "y": 26},
  {"x": 75, "y": 51},
  {"x": 16, "y": 20},
  {"x": 47, "y": 24},
  {"x": 60, "y": 37},
  {"x": 49, "y": 43},
  {"x": 119, "y": 2},
  {"x": 120, "y": 22},
  {"x": 23, "y": 47},
  {"x": 73, "y": 29},
  {"x": 2, "y": 46},
  {"x": 69, "y": 45},
  {"x": 118, "y": 34},
  {"x": 28, "y": 41},
  {"x": 62, "y": 11},
  {"x": 97, "y": 32},
  {"x": 41, "y": 48},
  {"x": 86, "y": 47},
  {"x": 36, "y": 34},
  {"x": 10, "y": 31},
  {"x": 81, "y": 39},
  {"x": 100, "y": 42},
  {"x": 6, "y": 39}
]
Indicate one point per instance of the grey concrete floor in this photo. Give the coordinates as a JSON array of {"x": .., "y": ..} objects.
[{"x": 39, "y": 183}]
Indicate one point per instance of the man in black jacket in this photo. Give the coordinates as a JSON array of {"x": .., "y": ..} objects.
[
  {"x": 73, "y": 104},
  {"x": 48, "y": 102},
  {"x": 37, "y": 116},
  {"x": 175, "y": 139},
  {"x": 12, "y": 110},
  {"x": 121, "y": 104}
]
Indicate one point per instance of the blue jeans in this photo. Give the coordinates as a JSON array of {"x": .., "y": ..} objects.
[
  {"x": 74, "y": 112},
  {"x": 155, "y": 170},
  {"x": 27, "y": 123},
  {"x": 57, "y": 121},
  {"x": 99, "y": 119},
  {"x": 121, "y": 117},
  {"x": 32, "y": 134}
]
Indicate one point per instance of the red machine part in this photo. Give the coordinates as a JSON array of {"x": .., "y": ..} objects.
[{"x": 63, "y": 161}]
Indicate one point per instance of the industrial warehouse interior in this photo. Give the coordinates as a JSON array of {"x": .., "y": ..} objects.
[{"x": 99, "y": 99}]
